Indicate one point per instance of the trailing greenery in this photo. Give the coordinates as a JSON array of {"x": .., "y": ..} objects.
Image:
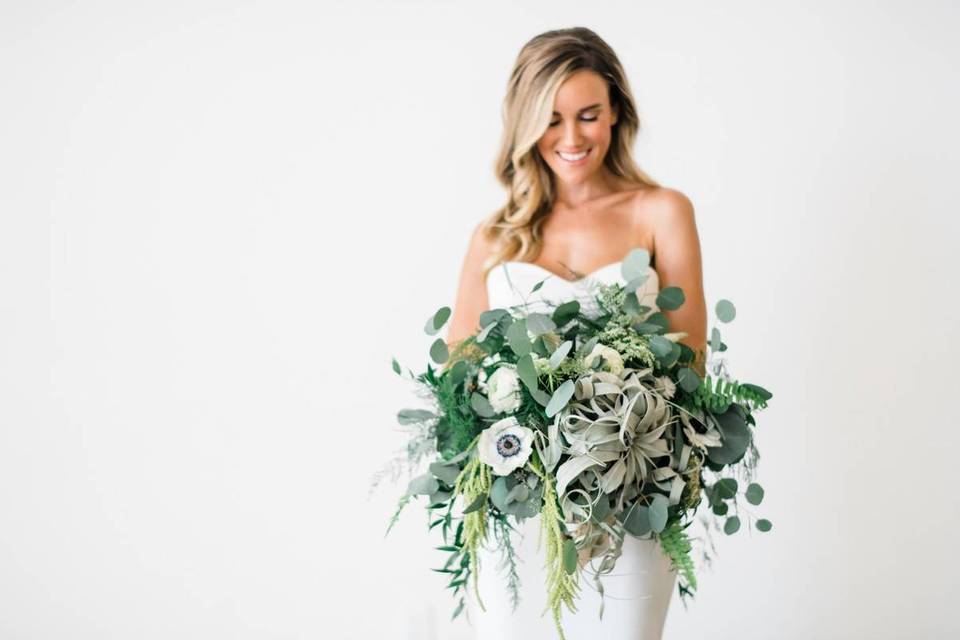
[
  {"x": 474, "y": 484},
  {"x": 562, "y": 585},
  {"x": 676, "y": 545},
  {"x": 508, "y": 558}
]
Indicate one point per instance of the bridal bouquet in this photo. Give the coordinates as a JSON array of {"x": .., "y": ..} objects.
[{"x": 598, "y": 423}]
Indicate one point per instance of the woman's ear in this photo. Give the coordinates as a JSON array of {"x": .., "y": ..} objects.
[{"x": 616, "y": 115}]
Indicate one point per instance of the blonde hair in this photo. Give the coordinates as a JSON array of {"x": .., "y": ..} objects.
[{"x": 542, "y": 65}]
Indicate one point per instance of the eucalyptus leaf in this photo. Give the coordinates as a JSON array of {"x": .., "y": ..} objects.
[
  {"x": 437, "y": 320},
  {"x": 519, "y": 493},
  {"x": 735, "y": 436},
  {"x": 438, "y": 351},
  {"x": 726, "y": 488},
  {"x": 492, "y": 315},
  {"x": 661, "y": 347},
  {"x": 486, "y": 330},
  {"x": 764, "y": 525},
  {"x": 636, "y": 520},
  {"x": 670, "y": 298},
  {"x": 396, "y": 366},
  {"x": 446, "y": 472},
  {"x": 498, "y": 493},
  {"x": 440, "y": 496},
  {"x": 481, "y": 405},
  {"x": 635, "y": 264},
  {"x": 660, "y": 319},
  {"x": 714, "y": 339},
  {"x": 658, "y": 512},
  {"x": 631, "y": 304},
  {"x": 587, "y": 346},
  {"x": 720, "y": 508},
  {"x": 726, "y": 312},
  {"x": 517, "y": 337},
  {"x": 647, "y": 328},
  {"x": 601, "y": 509},
  {"x": 689, "y": 379},
  {"x": 732, "y": 525},
  {"x": 541, "y": 396},
  {"x": 561, "y": 352},
  {"x": 754, "y": 493},
  {"x": 527, "y": 372},
  {"x": 423, "y": 485},
  {"x": 560, "y": 398},
  {"x": 540, "y": 323},
  {"x": 566, "y": 312}
]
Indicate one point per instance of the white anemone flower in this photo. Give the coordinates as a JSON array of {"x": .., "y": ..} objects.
[
  {"x": 503, "y": 389},
  {"x": 613, "y": 361},
  {"x": 505, "y": 445}
]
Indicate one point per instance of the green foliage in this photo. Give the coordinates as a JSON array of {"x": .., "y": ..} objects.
[
  {"x": 716, "y": 394},
  {"x": 676, "y": 545},
  {"x": 458, "y": 425},
  {"x": 562, "y": 587},
  {"x": 508, "y": 558}
]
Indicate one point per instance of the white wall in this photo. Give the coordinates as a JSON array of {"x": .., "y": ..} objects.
[{"x": 219, "y": 221}]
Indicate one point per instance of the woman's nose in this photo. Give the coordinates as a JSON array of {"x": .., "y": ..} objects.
[{"x": 571, "y": 135}]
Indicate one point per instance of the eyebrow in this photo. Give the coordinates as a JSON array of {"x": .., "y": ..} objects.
[{"x": 593, "y": 106}]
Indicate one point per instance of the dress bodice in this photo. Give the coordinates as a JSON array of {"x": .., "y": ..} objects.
[{"x": 510, "y": 284}]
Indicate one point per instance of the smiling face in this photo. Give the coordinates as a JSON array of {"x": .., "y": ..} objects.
[{"x": 576, "y": 141}]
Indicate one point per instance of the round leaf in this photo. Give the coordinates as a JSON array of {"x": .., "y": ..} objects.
[
  {"x": 437, "y": 320},
  {"x": 658, "y": 513},
  {"x": 518, "y": 339},
  {"x": 670, "y": 298},
  {"x": 764, "y": 525},
  {"x": 481, "y": 405},
  {"x": 735, "y": 435},
  {"x": 438, "y": 351},
  {"x": 636, "y": 520},
  {"x": 726, "y": 488},
  {"x": 635, "y": 264},
  {"x": 754, "y": 493},
  {"x": 540, "y": 323},
  {"x": 688, "y": 378},
  {"x": 726, "y": 312},
  {"x": 732, "y": 525}
]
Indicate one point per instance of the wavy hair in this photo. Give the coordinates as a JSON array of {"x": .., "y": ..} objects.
[{"x": 542, "y": 65}]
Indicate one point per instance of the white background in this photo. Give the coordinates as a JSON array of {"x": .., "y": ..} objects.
[{"x": 219, "y": 221}]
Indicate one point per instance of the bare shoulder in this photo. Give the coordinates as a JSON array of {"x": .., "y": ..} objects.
[
  {"x": 662, "y": 205},
  {"x": 665, "y": 218}
]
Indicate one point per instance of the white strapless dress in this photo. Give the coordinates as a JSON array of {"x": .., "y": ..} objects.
[{"x": 638, "y": 591}]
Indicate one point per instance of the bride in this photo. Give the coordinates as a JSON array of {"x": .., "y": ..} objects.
[{"x": 577, "y": 205}]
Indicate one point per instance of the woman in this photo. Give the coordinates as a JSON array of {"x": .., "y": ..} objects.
[{"x": 577, "y": 205}]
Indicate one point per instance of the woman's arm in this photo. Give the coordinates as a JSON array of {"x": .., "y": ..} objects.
[
  {"x": 678, "y": 263},
  {"x": 471, "y": 298}
]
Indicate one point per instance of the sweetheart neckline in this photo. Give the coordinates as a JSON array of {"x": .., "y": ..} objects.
[{"x": 564, "y": 280}]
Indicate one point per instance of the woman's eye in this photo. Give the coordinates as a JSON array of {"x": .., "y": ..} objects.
[{"x": 585, "y": 119}]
